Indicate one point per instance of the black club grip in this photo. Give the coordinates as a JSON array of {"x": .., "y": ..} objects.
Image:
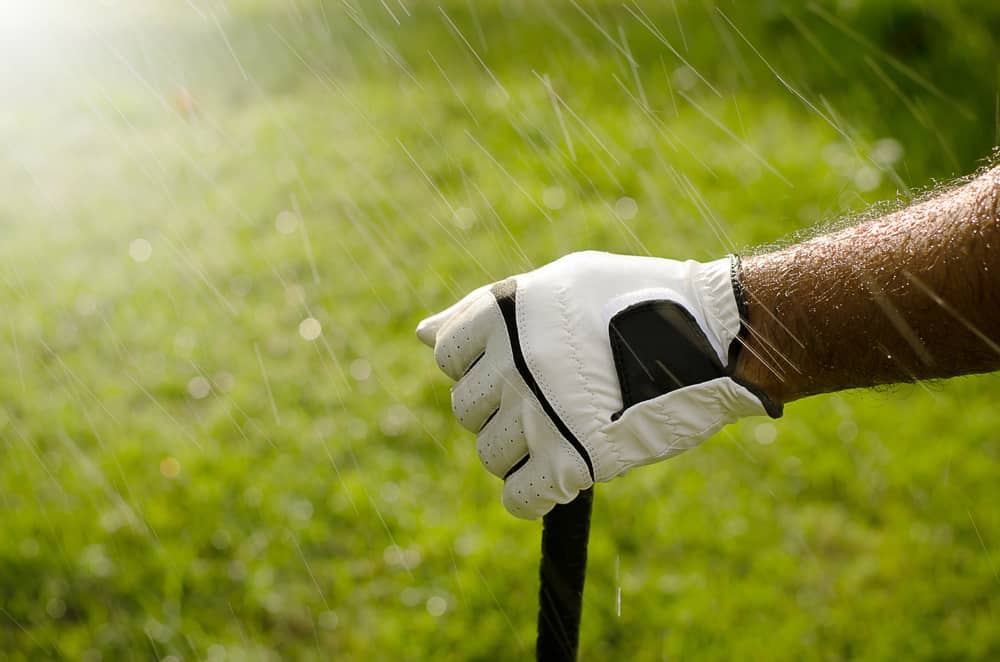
[{"x": 565, "y": 533}]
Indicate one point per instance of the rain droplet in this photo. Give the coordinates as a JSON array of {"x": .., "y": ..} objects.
[
  {"x": 497, "y": 97},
  {"x": 286, "y": 171},
  {"x": 436, "y": 605},
  {"x": 390, "y": 492},
  {"x": 392, "y": 555},
  {"x": 286, "y": 222},
  {"x": 626, "y": 207},
  {"x": 199, "y": 387},
  {"x": 216, "y": 652},
  {"x": 361, "y": 369},
  {"x": 170, "y": 467},
  {"x": 140, "y": 250},
  {"x": 467, "y": 544},
  {"x": 221, "y": 539},
  {"x": 295, "y": 294},
  {"x": 464, "y": 218},
  {"x": 867, "y": 178},
  {"x": 765, "y": 434},
  {"x": 253, "y": 497},
  {"x": 412, "y": 557},
  {"x": 30, "y": 548},
  {"x": 847, "y": 431},
  {"x": 685, "y": 78},
  {"x": 236, "y": 570},
  {"x": 55, "y": 608},
  {"x": 301, "y": 510},
  {"x": 184, "y": 342},
  {"x": 310, "y": 328},
  {"x": 887, "y": 151},
  {"x": 86, "y": 305},
  {"x": 554, "y": 197},
  {"x": 394, "y": 420},
  {"x": 224, "y": 381}
]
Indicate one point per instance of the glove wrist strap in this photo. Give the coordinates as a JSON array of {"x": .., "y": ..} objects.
[{"x": 774, "y": 409}]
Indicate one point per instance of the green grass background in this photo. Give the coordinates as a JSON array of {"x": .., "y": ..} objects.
[{"x": 326, "y": 505}]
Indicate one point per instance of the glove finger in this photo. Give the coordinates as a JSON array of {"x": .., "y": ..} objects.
[
  {"x": 462, "y": 339},
  {"x": 476, "y": 396},
  {"x": 428, "y": 328},
  {"x": 501, "y": 444},
  {"x": 535, "y": 488}
]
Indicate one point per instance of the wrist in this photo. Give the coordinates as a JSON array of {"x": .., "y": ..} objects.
[
  {"x": 750, "y": 368},
  {"x": 755, "y": 352}
]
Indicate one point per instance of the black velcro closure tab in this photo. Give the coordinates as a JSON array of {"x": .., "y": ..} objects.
[{"x": 658, "y": 347}]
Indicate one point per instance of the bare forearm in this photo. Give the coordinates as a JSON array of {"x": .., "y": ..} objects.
[{"x": 912, "y": 295}]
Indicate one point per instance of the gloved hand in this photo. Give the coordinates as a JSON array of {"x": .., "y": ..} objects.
[{"x": 593, "y": 364}]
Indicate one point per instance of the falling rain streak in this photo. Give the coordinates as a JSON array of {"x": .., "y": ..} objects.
[{"x": 222, "y": 221}]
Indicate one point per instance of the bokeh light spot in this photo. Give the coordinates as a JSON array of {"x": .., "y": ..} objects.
[
  {"x": 140, "y": 250},
  {"x": 170, "y": 467},
  {"x": 310, "y": 328}
]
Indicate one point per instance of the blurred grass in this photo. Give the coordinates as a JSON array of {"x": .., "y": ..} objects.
[{"x": 319, "y": 502}]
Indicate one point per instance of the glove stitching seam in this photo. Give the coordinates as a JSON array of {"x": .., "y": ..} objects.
[
  {"x": 588, "y": 387},
  {"x": 543, "y": 384}
]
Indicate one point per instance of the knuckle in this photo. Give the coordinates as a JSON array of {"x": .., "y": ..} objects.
[
  {"x": 490, "y": 453},
  {"x": 461, "y": 406},
  {"x": 444, "y": 355},
  {"x": 485, "y": 451}
]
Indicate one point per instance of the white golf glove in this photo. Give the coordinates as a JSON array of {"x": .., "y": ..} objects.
[{"x": 579, "y": 370}]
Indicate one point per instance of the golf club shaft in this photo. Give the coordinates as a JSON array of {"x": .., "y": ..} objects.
[{"x": 565, "y": 533}]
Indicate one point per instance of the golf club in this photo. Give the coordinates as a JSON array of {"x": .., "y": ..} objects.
[{"x": 565, "y": 533}]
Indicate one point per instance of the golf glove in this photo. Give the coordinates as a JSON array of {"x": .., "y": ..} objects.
[{"x": 591, "y": 365}]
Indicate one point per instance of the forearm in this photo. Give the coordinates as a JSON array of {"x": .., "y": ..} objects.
[{"x": 912, "y": 295}]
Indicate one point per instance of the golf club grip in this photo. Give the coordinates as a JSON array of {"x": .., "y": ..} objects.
[{"x": 565, "y": 532}]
